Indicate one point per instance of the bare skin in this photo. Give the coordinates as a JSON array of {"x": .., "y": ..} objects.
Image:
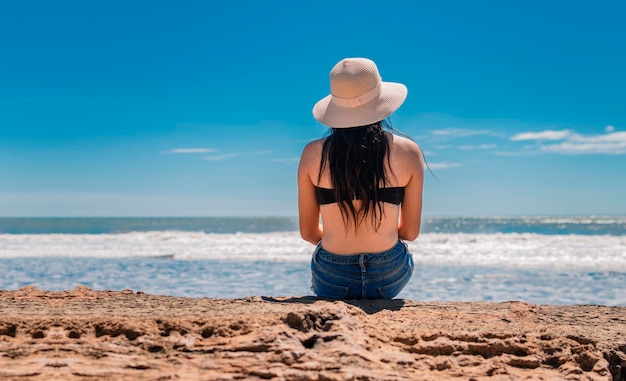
[{"x": 397, "y": 222}]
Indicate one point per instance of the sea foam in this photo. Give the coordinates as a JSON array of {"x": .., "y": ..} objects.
[{"x": 511, "y": 250}]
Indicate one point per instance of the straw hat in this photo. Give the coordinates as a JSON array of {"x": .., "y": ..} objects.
[{"x": 358, "y": 96}]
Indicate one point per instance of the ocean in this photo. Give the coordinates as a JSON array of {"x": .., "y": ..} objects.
[{"x": 543, "y": 260}]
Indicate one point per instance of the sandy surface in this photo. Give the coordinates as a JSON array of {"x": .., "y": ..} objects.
[{"x": 105, "y": 335}]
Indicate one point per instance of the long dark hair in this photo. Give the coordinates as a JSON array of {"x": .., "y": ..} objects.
[{"x": 356, "y": 159}]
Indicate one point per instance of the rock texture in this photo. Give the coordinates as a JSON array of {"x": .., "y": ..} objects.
[{"x": 124, "y": 335}]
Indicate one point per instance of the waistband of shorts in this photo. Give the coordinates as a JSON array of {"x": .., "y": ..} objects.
[{"x": 396, "y": 251}]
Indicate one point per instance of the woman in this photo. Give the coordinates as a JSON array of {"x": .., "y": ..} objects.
[{"x": 366, "y": 183}]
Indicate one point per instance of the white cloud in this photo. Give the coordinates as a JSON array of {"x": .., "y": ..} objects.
[
  {"x": 232, "y": 155},
  {"x": 542, "y": 135},
  {"x": 481, "y": 146},
  {"x": 453, "y": 133},
  {"x": 614, "y": 137},
  {"x": 190, "y": 150},
  {"x": 609, "y": 129},
  {"x": 443, "y": 165},
  {"x": 611, "y": 143}
]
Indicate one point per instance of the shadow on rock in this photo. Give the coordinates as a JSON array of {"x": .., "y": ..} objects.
[{"x": 369, "y": 306}]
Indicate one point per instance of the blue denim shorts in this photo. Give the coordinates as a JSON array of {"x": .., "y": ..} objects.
[{"x": 361, "y": 276}]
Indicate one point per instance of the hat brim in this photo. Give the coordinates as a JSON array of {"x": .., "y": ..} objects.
[{"x": 390, "y": 98}]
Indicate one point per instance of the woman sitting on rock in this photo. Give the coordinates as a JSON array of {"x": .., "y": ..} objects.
[{"x": 366, "y": 184}]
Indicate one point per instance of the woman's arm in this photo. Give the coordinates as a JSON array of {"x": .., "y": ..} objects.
[
  {"x": 308, "y": 208},
  {"x": 411, "y": 209}
]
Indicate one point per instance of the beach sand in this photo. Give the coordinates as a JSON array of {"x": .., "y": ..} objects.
[{"x": 84, "y": 334}]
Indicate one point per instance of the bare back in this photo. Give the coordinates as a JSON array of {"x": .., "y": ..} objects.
[{"x": 405, "y": 169}]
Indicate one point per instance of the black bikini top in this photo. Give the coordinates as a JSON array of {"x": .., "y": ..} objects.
[{"x": 393, "y": 195}]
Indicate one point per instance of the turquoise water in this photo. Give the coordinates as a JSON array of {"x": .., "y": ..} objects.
[
  {"x": 588, "y": 225},
  {"x": 555, "y": 260}
]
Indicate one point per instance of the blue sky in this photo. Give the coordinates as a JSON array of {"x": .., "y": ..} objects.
[{"x": 200, "y": 108}]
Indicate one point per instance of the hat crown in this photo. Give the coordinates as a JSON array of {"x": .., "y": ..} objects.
[
  {"x": 358, "y": 96},
  {"x": 353, "y": 77}
]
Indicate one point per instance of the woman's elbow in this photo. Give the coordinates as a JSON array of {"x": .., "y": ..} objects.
[
  {"x": 305, "y": 236},
  {"x": 409, "y": 233},
  {"x": 310, "y": 236},
  {"x": 409, "y": 236}
]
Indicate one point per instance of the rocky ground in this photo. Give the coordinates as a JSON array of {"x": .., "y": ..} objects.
[{"x": 84, "y": 334}]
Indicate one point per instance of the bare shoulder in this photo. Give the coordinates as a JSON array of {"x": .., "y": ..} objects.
[
  {"x": 314, "y": 145},
  {"x": 311, "y": 153},
  {"x": 407, "y": 151}
]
